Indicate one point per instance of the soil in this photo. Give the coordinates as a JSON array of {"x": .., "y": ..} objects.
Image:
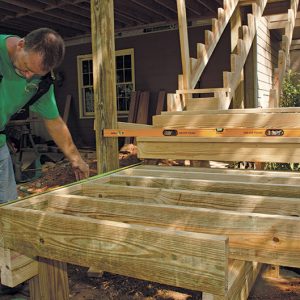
[{"x": 109, "y": 286}]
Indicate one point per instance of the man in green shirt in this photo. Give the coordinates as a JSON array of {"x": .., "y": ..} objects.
[{"x": 23, "y": 61}]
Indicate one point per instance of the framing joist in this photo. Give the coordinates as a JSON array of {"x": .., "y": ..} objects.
[{"x": 187, "y": 227}]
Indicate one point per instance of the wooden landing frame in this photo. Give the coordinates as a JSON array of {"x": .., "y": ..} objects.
[
  {"x": 257, "y": 149},
  {"x": 202, "y": 229}
]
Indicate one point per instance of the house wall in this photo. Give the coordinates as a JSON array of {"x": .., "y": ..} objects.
[
  {"x": 295, "y": 58},
  {"x": 157, "y": 65},
  {"x": 267, "y": 60}
]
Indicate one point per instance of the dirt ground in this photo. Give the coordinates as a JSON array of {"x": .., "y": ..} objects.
[{"x": 116, "y": 287}]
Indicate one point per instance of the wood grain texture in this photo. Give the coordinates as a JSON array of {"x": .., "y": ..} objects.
[
  {"x": 104, "y": 85},
  {"x": 16, "y": 268},
  {"x": 53, "y": 280},
  {"x": 242, "y": 276},
  {"x": 292, "y": 179},
  {"x": 225, "y": 201},
  {"x": 285, "y": 150},
  {"x": 237, "y": 111},
  {"x": 186, "y": 259},
  {"x": 252, "y": 120},
  {"x": 246, "y": 188},
  {"x": 256, "y": 237}
]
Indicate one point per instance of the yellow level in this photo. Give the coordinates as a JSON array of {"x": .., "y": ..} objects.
[{"x": 203, "y": 132}]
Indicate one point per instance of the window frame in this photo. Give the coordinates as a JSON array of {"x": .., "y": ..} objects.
[{"x": 83, "y": 114}]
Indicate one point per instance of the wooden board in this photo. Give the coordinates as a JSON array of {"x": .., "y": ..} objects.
[
  {"x": 180, "y": 258},
  {"x": 173, "y": 225},
  {"x": 221, "y": 149},
  {"x": 251, "y": 120}
]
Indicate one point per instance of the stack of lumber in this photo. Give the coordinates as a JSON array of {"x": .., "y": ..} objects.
[{"x": 201, "y": 229}]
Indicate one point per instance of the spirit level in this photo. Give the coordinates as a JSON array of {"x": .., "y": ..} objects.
[{"x": 203, "y": 132}]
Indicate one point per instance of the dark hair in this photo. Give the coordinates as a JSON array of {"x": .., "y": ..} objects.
[{"x": 49, "y": 44}]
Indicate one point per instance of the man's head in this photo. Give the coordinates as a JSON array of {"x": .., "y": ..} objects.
[{"x": 39, "y": 52}]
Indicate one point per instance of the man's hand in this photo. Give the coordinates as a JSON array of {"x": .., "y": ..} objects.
[
  {"x": 62, "y": 137},
  {"x": 81, "y": 169}
]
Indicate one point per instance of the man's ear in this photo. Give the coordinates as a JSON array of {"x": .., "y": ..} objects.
[{"x": 21, "y": 43}]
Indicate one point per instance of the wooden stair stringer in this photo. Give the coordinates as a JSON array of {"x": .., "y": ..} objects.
[
  {"x": 231, "y": 79},
  {"x": 283, "y": 55},
  {"x": 204, "y": 51}
]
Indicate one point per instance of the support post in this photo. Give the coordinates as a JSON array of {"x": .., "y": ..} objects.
[
  {"x": 184, "y": 47},
  {"x": 103, "y": 44},
  {"x": 51, "y": 281},
  {"x": 235, "y": 24}
]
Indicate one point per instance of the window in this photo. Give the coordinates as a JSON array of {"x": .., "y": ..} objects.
[{"x": 124, "y": 82}]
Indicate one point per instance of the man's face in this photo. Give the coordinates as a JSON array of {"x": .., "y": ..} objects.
[{"x": 28, "y": 64}]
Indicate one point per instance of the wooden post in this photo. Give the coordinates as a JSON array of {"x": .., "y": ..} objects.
[
  {"x": 103, "y": 44},
  {"x": 250, "y": 80},
  {"x": 236, "y": 23},
  {"x": 184, "y": 46},
  {"x": 51, "y": 281}
]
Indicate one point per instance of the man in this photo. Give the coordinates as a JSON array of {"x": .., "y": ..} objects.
[{"x": 23, "y": 61}]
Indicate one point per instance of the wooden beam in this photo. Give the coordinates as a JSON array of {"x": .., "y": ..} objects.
[
  {"x": 228, "y": 200},
  {"x": 259, "y": 120},
  {"x": 250, "y": 76},
  {"x": 103, "y": 44},
  {"x": 279, "y": 21},
  {"x": 179, "y": 258},
  {"x": 184, "y": 43},
  {"x": 219, "y": 186},
  {"x": 236, "y": 25},
  {"x": 264, "y": 173},
  {"x": 241, "y": 278},
  {"x": 253, "y": 237},
  {"x": 206, "y": 175},
  {"x": 51, "y": 281},
  {"x": 16, "y": 268},
  {"x": 237, "y": 111},
  {"x": 285, "y": 150}
]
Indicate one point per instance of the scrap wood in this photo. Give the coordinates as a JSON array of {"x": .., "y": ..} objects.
[{"x": 160, "y": 102}]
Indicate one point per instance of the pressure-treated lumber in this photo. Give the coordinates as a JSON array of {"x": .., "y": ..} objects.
[
  {"x": 184, "y": 43},
  {"x": 249, "y": 188},
  {"x": 230, "y": 200},
  {"x": 237, "y": 111},
  {"x": 253, "y": 120},
  {"x": 232, "y": 79},
  {"x": 103, "y": 46},
  {"x": 16, "y": 268},
  {"x": 241, "y": 278},
  {"x": 251, "y": 236},
  {"x": 179, "y": 258},
  {"x": 204, "y": 51},
  {"x": 221, "y": 149},
  {"x": 172, "y": 225},
  {"x": 51, "y": 281},
  {"x": 164, "y": 172}
]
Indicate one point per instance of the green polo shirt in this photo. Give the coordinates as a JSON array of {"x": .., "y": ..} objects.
[{"x": 16, "y": 91}]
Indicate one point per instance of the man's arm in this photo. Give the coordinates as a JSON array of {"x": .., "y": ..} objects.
[{"x": 62, "y": 137}]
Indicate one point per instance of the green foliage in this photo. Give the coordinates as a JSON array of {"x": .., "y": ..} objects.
[
  {"x": 283, "y": 166},
  {"x": 290, "y": 95}
]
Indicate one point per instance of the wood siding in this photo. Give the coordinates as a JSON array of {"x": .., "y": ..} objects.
[{"x": 267, "y": 52}]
